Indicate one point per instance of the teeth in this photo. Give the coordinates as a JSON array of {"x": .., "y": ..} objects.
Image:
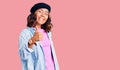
[{"x": 41, "y": 18}]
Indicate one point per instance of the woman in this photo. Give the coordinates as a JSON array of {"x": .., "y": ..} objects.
[{"x": 36, "y": 48}]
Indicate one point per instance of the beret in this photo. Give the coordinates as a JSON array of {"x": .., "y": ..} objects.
[{"x": 40, "y": 5}]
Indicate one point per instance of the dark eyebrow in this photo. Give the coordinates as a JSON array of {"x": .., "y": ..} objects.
[{"x": 45, "y": 11}]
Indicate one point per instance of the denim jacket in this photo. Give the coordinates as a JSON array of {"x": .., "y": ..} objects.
[{"x": 33, "y": 59}]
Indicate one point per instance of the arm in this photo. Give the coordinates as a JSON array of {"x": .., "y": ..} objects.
[{"x": 24, "y": 50}]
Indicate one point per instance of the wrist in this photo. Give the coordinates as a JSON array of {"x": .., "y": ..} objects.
[{"x": 31, "y": 41}]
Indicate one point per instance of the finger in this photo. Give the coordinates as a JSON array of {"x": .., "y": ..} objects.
[
  {"x": 40, "y": 33},
  {"x": 40, "y": 37}
]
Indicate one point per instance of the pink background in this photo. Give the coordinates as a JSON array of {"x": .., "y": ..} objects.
[{"x": 86, "y": 33}]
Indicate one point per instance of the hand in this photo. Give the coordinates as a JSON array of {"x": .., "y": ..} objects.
[{"x": 37, "y": 35}]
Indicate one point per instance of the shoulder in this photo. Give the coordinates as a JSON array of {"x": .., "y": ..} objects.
[{"x": 25, "y": 31}]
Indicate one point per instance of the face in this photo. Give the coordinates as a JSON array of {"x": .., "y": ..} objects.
[{"x": 42, "y": 15}]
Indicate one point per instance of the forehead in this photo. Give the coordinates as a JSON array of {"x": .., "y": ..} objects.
[{"x": 43, "y": 9}]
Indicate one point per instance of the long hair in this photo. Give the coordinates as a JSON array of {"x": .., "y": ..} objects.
[{"x": 31, "y": 22}]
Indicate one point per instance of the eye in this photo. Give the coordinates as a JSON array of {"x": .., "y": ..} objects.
[
  {"x": 40, "y": 11},
  {"x": 46, "y": 13}
]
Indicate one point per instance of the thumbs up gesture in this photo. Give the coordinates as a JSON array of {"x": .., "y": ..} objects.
[{"x": 37, "y": 35}]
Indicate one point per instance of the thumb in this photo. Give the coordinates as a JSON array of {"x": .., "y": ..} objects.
[{"x": 37, "y": 29}]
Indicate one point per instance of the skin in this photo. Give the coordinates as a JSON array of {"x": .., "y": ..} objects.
[{"x": 42, "y": 16}]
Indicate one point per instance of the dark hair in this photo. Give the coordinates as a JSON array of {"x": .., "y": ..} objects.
[{"x": 31, "y": 22}]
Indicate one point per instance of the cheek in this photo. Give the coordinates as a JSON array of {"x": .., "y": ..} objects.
[
  {"x": 38, "y": 14},
  {"x": 46, "y": 17}
]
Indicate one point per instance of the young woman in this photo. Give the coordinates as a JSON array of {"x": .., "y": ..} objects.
[{"x": 36, "y": 48}]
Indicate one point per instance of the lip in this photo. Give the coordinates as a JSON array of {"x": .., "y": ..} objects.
[{"x": 41, "y": 18}]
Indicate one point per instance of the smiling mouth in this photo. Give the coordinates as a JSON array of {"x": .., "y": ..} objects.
[{"x": 41, "y": 18}]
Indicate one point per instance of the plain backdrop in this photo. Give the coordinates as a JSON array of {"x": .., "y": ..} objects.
[{"x": 86, "y": 33}]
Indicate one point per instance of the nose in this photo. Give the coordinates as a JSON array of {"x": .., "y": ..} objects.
[{"x": 42, "y": 14}]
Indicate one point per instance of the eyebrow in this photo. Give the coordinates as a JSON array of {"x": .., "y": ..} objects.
[{"x": 45, "y": 11}]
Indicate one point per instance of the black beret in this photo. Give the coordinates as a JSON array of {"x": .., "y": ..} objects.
[{"x": 40, "y": 5}]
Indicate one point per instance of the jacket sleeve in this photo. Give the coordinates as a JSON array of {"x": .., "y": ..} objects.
[{"x": 24, "y": 51}]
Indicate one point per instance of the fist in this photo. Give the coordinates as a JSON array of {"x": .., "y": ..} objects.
[{"x": 37, "y": 35}]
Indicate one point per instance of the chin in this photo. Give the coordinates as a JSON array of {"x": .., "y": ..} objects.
[{"x": 42, "y": 23}]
